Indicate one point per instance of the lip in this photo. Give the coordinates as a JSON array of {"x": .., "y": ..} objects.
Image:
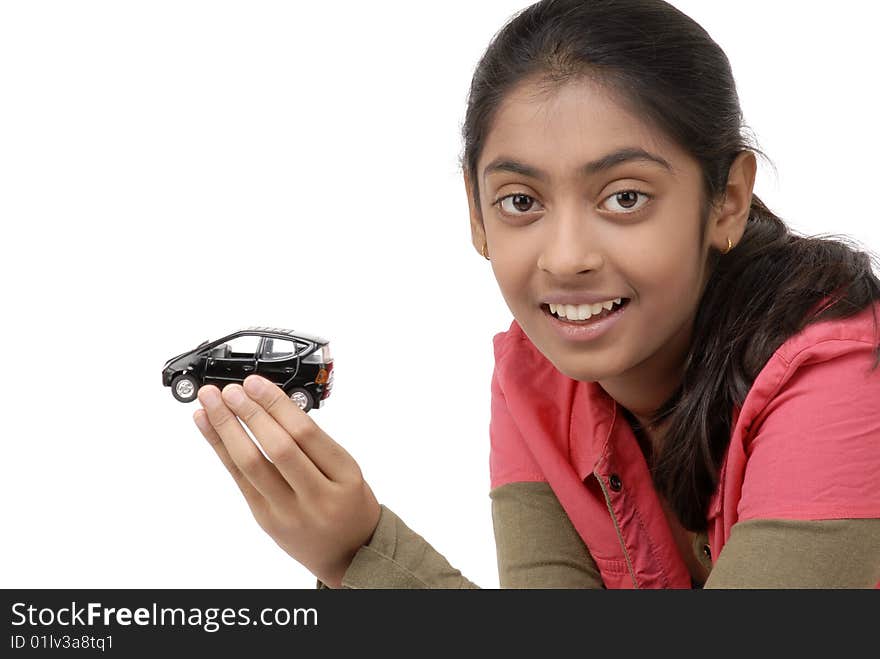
[{"x": 587, "y": 331}]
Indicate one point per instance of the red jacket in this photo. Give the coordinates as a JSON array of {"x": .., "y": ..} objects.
[{"x": 805, "y": 444}]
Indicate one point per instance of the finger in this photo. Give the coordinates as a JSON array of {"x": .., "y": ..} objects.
[
  {"x": 330, "y": 457},
  {"x": 242, "y": 450},
  {"x": 294, "y": 465},
  {"x": 251, "y": 495}
]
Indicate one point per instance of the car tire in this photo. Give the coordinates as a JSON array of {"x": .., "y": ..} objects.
[
  {"x": 303, "y": 398},
  {"x": 185, "y": 387}
]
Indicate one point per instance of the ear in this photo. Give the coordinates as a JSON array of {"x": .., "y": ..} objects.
[
  {"x": 731, "y": 218},
  {"x": 478, "y": 232}
]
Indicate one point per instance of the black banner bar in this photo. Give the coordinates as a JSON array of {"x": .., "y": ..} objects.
[{"x": 145, "y": 622}]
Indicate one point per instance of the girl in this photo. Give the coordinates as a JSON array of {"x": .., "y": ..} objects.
[{"x": 688, "y": 393}]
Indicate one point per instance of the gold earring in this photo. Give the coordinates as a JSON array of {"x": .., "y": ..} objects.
[
  {"x": 729, "y": 246},
  {"x": 483, "y": 252}
]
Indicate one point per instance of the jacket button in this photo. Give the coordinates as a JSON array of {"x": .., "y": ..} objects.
[
  {"x": 707, "y": 552},
  {"x": 614, "y": 482}
]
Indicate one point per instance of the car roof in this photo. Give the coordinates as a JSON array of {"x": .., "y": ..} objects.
[{"x": 285, "y": 333}]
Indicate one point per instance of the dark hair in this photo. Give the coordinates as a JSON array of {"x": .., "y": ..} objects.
[{"x": 668, "y": 70}]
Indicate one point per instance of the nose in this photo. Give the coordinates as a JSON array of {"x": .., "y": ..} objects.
[{"x": 571, "y": 243}]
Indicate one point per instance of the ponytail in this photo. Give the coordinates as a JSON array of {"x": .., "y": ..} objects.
[{"x": 760, "y": 294}]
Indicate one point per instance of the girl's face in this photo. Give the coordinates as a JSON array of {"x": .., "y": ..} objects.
[{"x": 558, "y": 222}]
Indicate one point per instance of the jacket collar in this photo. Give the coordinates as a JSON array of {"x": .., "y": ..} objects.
[{"x": 551, "y": 408}]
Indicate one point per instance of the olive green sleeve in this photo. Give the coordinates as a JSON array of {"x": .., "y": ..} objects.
[
  {"x": 784, "y": 553},
  {"x": 536, "y": 543},
  {"x": 398, "y": 557}
]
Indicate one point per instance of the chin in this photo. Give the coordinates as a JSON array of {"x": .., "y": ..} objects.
[
  {"x": 583, "y": 367},
  {"x": 584, "y": 374}
]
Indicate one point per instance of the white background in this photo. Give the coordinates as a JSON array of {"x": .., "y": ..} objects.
[{"x": 173, "y": 171}]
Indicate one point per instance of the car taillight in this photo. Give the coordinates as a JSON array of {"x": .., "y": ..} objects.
[
  {"x": 322, "y": 377},
  {"x": 329, "y": 375}
]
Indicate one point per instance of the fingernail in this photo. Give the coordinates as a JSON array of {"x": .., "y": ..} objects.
[
  {"x": 233, "y": 395},
  {"x": 254, "y": 385}
]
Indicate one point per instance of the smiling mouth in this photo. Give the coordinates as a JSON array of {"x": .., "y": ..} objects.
[{"x": 592, "y": 319}]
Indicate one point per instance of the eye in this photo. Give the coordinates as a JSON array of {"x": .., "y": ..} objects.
[
  {"x": 519, "y": 201},
  {"x": 626, "y": 199}
]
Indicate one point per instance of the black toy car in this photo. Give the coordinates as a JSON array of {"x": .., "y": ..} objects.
[{"x": 299, "y": 363}]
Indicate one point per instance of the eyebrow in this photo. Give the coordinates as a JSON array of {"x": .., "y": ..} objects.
[{"x": 606, "y": 162}]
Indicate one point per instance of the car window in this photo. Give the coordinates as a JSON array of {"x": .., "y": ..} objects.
[
  {"x": 278, "y": 349},
  {"x": 243, "y": 347}
]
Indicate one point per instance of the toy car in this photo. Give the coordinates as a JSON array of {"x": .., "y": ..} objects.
[{"x": 300, "y": 364}]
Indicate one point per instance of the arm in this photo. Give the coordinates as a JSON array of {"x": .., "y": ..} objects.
[
  {"x": 809, "y": 511},
  {"x": 786, "y": 553},
  {"x": 398, "y": 557},
  {"x": 536, "y": 544}
]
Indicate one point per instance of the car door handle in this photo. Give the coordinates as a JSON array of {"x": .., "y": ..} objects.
[
  {"x": 289, "y": 369},
  {"x": 247, "y": 368}
]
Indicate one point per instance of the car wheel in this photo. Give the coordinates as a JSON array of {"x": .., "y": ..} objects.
[
  {"x": 303, "y": 398},
  {"x": 185, "y": 388}
]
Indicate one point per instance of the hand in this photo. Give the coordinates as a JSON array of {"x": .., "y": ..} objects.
[{"x": 310, "y": 496}]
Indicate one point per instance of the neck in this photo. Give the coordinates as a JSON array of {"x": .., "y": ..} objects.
[
  {"x": 649, "y": 437},
  {"x": 644, "y": 388}
]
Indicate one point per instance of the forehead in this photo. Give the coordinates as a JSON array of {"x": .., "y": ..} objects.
[{"x": 559, "y": 130}]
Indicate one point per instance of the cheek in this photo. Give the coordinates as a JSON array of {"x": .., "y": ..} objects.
[
  {"x": 512, "y": 284},
  {"x": 513, "y": 266},
  {"x": 661, "y": 270},
  {"x": 658, "y": 272}
]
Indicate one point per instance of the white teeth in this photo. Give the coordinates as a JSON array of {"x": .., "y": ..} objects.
[{"x": 582, "y": 311}]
